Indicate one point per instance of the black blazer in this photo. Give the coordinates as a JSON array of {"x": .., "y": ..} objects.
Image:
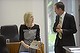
[{"x": 69, "y": 28}]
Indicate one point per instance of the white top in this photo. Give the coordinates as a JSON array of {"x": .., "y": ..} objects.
[{"x": 63, "y": 16}]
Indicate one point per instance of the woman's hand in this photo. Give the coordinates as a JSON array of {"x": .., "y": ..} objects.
[{"x": 25, "y": 45}]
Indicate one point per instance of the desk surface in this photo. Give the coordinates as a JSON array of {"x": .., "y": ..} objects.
[
  {"x": 13, "y": 43},
  {"x": 72, "y": 49}
]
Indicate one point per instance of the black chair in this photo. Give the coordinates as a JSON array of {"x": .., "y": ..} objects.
[
  {"x": 0, "y": 30},
  {"x": 3, "y": 48},
  {"x": 10, "y": 32}
]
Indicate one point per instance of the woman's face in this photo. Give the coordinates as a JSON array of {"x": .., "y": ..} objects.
[{"x": 31, "y": 19}]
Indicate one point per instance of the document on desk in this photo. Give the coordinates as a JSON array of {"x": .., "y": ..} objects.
[
  {"x": 75, "y": 50},
  {"x": 34, "y": 45}
]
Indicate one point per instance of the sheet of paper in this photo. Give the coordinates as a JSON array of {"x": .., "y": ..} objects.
[
  {"x": 34, "y": 45},
  {"x": 75, "y": 51},
  {"x": 74, "y": 48}
]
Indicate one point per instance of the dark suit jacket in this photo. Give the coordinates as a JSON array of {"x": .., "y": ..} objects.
[{"x": 69, "y": 28}]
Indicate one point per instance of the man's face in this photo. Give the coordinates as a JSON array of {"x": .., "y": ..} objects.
[{"x": 57, "y": 11}]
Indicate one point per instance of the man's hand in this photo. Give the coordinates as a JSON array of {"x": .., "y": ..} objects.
[
  {"x": 59, "y": 30},
  {"x": 59, "y": 26}
]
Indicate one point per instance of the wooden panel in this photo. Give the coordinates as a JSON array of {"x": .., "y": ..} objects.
[
  {"x": 13, "y": 47},
  {"x": 41, "y": 48}
]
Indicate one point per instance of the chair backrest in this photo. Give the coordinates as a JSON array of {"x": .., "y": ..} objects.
[
  {"x": 3, "y": 48},
  {"x": 10, "y": 32},
  {"x": 2, "y": 41},
  {"x": 0, "y": 30}
]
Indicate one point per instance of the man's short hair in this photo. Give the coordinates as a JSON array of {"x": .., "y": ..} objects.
[{"x": 60, "y": 5}]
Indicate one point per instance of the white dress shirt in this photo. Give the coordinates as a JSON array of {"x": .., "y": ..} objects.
[{"x": 63, "y": 16}]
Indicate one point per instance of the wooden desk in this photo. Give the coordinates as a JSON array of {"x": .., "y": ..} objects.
[
  {"x": 41, "y": 49},
  {"x": 14, "y": 47}
]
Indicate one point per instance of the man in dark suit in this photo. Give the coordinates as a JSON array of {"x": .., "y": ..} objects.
[{"x": 65, "y": 29}]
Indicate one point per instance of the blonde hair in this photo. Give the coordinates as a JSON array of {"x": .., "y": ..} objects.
[{"x": 27, "y": 16}]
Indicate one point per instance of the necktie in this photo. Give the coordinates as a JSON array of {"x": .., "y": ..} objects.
[{"x": 60, "y": 22}]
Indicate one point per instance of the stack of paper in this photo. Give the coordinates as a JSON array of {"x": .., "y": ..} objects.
[{"x": 75, "y": 50}]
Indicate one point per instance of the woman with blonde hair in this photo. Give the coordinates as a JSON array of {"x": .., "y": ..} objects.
[{"x": 28, "y": 32}]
